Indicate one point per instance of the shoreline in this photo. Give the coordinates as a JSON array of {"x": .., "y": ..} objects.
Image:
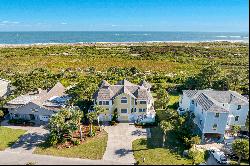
[{"x": 119, "y": 43}]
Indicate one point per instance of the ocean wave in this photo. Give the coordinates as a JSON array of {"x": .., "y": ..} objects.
[
  {"x": 221, "y": 36},
  {"x": 235, "y": 36}
]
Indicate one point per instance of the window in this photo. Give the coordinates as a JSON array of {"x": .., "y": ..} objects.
[
  {"x": 192, "y": 101},
  {"x": 124, "y": 100},
  {"x": 196, "y": 104},
  {"x": 214, "y": 126},
  {"x": 135, "y": 102},
  {"x": 134, "y": 109},
  {"x": 239, "y": 107},
  {"x": 202, "y": 111},
  {"x": 103, "y": 102},
  {"x": 107, "y": 109},
  {"x": 142, "y": 109},
  {"x": 124, "y": 111},
  {"x": 143, "y": 102},
  {"x": 236, "y": 118},
  {"x": 217, "y": 115}
]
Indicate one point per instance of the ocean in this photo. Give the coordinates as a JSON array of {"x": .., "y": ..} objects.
[{"x": 100, "y": 36}]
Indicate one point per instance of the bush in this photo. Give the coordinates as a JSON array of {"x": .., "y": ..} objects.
[
  {"x": 52, "y": 140},
  {"x": 196, "y": 155},
  {"x": 206, "y": 155},
  {"x": 233, "y": 163},
  {"x": 76, "y": 142},
  {"x": 93, "y": 132},
  {"x": 113, "y": 123},
  {"x": 11, "y": 121}
]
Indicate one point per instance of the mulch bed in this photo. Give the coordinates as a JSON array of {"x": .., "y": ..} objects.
[{"x": 76, "y": 136}]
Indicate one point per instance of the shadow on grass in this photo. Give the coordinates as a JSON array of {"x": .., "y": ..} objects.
[
  {"x": 28, "y": 141},
  {"x": 156, "y": 141}
]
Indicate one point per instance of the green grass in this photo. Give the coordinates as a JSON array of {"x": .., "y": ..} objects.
[
  {"x": 173, "y": 98},
  {"x": 154, "y": 154},
  {"x": 9, "y": 136},
  {"x": 93, "y": 148}
]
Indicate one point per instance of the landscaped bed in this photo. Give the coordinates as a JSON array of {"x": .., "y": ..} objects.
[
  {"x": 91, "y": 148},
  {"x": 9, "y": 136}
]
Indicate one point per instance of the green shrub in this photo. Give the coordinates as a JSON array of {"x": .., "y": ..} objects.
[
  {"x": 52, "y": 140},
  {"x": 196, "y": 155},
  {"x": 76, "y": 142},
  {"x": 12, "y": 121},
  {"x": 233, "y": 163},
  {"x": 113, "y": 123}
]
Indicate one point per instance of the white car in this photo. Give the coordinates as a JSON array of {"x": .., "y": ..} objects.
[{"x": 219, "y": 156}]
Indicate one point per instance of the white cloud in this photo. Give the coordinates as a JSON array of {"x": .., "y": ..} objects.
[{"x": 64, "y": 23}]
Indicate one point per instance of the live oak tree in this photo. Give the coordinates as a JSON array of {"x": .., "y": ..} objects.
[
  {"x": 63, "y": 124},
  {"x": 241, "y": 148}
]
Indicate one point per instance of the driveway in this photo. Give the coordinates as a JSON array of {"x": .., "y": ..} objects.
[
  {"x": 28, "y": 142},
  {"x": 119, "y": 145}
]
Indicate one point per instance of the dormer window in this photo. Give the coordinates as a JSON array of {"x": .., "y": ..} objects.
[
  {"x": 143, "y": 102},
  {"x": 239, "y": 107},
  {"x": 214, "y": 126},
  {"x": 217, "y": 115},
  {"x": 124, "y": 100}
]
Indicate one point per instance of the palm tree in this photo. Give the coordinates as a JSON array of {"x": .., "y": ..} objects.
[
  {"x": 165, "y": 126},
  {"x": 91, "y": 116},
  {"x": 99, "y": 110}
]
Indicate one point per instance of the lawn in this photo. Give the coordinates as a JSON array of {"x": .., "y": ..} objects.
[
  {"x": 154, "y": 154},
  {"x": 92, "y": 148},
  {"x": 9, "y": 136}
]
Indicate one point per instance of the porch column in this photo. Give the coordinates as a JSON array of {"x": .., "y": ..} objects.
[{"x": 203, "y": 138}]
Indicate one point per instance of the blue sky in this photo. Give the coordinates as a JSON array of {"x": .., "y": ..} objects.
[{"x": 124, "y": 15}]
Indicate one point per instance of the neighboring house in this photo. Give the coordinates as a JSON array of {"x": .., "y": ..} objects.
[
  {"x": 215, "y": 111},
  {"x": 4, "y": 88},
  {"x": 132, "y": 102},
  {"x": 38, "y": 106}
]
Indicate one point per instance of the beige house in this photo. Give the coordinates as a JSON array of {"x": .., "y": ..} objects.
[
  {"x": 4, "y": 88},
  {"x": 132, "y": 102},
  {"x": 38, "y": 106}
]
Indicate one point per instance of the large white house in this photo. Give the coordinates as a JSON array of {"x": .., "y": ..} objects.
[
  {"x": 4, "y": 88},
  {"x": 215, "y": 111},
  {"x": 132, "y": 102}
]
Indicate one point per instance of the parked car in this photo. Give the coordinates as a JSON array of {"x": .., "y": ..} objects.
[{"x": 219, "y": 156}]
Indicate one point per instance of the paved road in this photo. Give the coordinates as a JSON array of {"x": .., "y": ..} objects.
[
  {"x": 16, "y": 158},
  {"x": 119, "y": 145}
]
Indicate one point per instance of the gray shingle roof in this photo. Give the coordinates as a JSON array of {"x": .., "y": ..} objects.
[
  {"x": 123, "y": 86},
  {"x": 211, "y": 100}
]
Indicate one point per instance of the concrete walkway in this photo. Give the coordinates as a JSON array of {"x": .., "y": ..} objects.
[
  {"x": 119, "y": 145},
  {"x": 16, "y": 158}
]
